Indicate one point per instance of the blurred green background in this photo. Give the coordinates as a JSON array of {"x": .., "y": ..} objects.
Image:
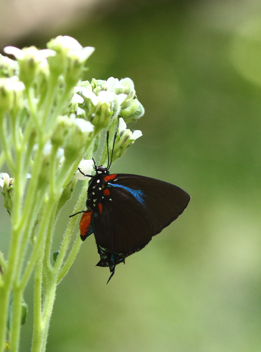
[{"x": 197, "y": 286}]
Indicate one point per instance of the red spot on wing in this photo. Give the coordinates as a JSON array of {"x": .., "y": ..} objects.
[
  {"x": 106, "y": 192},
  {"x": 85, "y": 223},
  {"x": 100, "y": 207},
  {"x": 110, "y": 177}
]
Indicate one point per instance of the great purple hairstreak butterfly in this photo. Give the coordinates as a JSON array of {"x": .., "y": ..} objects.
[{"x": 125, "y": 211}]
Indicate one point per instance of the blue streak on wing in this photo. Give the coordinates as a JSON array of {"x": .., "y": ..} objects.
[{"x": 138, "y": 194}]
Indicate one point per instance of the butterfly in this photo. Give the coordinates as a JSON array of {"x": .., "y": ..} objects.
[{"x": 125, "y": 211}]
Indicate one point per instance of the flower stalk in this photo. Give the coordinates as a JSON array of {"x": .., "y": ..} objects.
[{"x": 50, "y": 123}]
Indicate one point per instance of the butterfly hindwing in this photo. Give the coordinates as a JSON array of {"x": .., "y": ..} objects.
[{"x": 122, "y": 227}]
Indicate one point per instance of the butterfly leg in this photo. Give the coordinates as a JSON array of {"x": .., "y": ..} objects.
[
  {"x": 84, "y": 173},
  {"x": 112, "y": 270},
  {"x": 106, "y": 262}
]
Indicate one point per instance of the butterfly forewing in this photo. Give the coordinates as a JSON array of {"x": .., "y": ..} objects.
[
  {"x": 137, "y": 209},
  {"x": 163, "y": 202}
]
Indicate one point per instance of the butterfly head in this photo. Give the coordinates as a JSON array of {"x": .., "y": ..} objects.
[{"x": 101, "y": 170}]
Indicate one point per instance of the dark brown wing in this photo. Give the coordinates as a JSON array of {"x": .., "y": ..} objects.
[{"x": 137, "y": 209}]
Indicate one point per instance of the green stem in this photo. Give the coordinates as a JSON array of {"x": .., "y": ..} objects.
[
  {"x": 27, "y": 145},
  {"x": 49, "y": 98},
  {"x": 38, "y": 328},
  {"x": 15, "y": 129},
  {"x": 29, "y": 228},
  {"x": 9, "y": 274},
  {"x": 32, "y": 189},
  {"x": 76, "y": 247},
  {"x": 42, "y": 316},
  {"x": 55, "y": 190},
  {"x": 48, "y": 244},
  {"x": 64, "y": 247},
  {"x": 48, "y": 302},
  {"x": 45, "y": 286},
  {"x": 4, "y": 138},
  {"x": 53, "y": 170},
  {"x": 39, "y": 245},
  {"x": 47, "y": 312},
  {"x": 16, "y": 319},
  {"x": 4, "y": 304},
  {"x": 18, "y": 190},
  {"x": 68, "y": 232},
  {"x": 32, "y": 108},
  {"x": 61, "y": 102}
]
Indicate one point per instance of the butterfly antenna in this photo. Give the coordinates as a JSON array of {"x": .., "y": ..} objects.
[
  {"x": 113, "y": 145},
  {"x": 95, "y": 165},
  {"x": 108, "y": 154}
]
